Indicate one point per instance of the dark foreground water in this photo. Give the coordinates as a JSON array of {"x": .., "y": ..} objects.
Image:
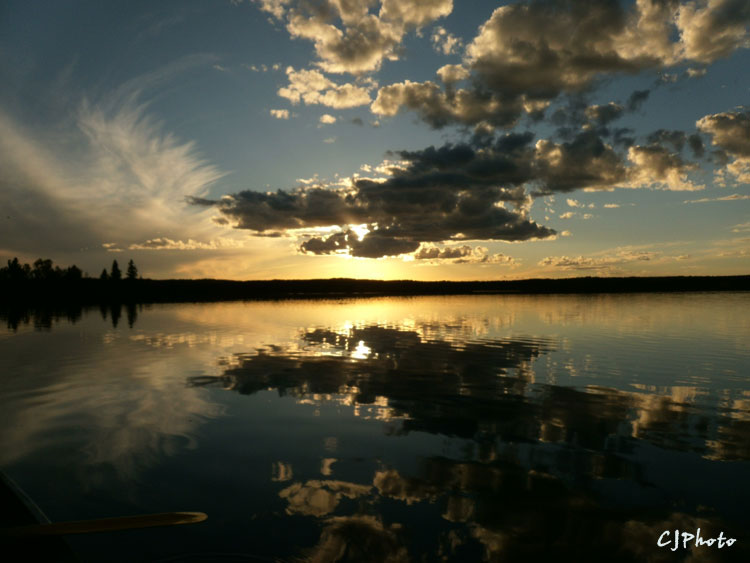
[{"x": 502, "y": 428}]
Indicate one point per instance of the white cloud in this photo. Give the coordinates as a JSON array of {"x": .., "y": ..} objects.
[
  {"x": 733, "y": 197},
  {"x": 444, "y": 41},
  {"x": 280, "y": 113},
  {"x": 118, "y": 178},
  {"x": 450, "y": 74},
  {"x": 327, "y": 119},
  {"x": 654, "y": 166},
  {"x": 712, "y": 29},
  {"x": 459, "y": 255},
  {"x": 346, "y": 36},
  {"x": 528, "y": 53},
  {"x": 274, "y": 7},
  {"x": 360, "y": 47},
  {"x": 163, "y": 243},
  {"x": 312, "y": 87},
  {"x": 730, "y": 131},
  {"x": 415, "y": 12},
  {"x": 262, "y": 67},
  {"x": 609, "y": 260},
  {"x": 438, "y": 108}
]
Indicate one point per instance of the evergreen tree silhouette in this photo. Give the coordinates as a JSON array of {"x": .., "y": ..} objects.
[
  {"x": 132, "y": 272},
  {"x": 115, "y": 274},
  {"x": 104, "y": 275}
]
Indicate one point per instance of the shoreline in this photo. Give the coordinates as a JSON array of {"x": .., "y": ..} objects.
[{"x": 93, "y": 291}]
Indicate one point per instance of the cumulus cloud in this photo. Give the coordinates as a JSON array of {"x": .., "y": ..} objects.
[
  {"x": 280, "y": 113},
  {"x": 347, "y": 36},
  {"x": 445, "y": 42},
  {"x": 360, "y": 47},
  {"x": 584, "y": 162},
  {"x": 713, "y": 29},
  {"x": 327, "y": 119},
  {"x": 603, "y": 114},
  {"x": 262, "y": 67},
  {"x": 415, "y": 12},
  {"x": 454, "y": 192},
  {"x": 663, "y": 136},
  {"x": 637, "y": 99},
  {"x": 678, "y": 140},
  {"x": 544, "y": 48},
  {"x": 606, "y": 262},
  {"x": 373, "y": 245},
  {"x": 312, "y": 87},
  {"x": 446, "y": 253},
  {"x": 730, "y": 132},
  {"x": 529, "y": 53},
  {"x": 450, "y": 74},
  {"x": 654, "y": 166},
  {"x": 463, "y": 254},
  {"x": 438, "y": 107}
]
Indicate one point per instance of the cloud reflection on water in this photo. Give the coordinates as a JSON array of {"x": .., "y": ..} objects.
[
  {"x": 499, "y": 428},
  {"x": 480, "y": 388},
  {"x": 544, "y": 468}
]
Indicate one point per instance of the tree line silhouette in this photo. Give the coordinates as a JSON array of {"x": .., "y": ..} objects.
[
  {"x": 43, "y": 271},
  {"x": 43, "y": 282}
]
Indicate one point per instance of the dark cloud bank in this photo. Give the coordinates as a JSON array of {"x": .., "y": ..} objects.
[{"x": 478, "y": 190}]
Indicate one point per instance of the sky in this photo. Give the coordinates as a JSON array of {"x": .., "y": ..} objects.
[{"x": 394, "y": 139}]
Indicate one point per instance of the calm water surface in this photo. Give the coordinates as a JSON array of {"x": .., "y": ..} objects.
[{"x": 501, "y": 428}]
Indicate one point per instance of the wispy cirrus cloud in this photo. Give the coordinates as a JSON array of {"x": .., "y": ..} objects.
[
  {"x": 114, "y": 175},
  {"x": 163, "y": 243}
]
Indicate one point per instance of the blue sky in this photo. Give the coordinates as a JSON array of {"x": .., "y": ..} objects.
[{"x": 425, "y": 140}]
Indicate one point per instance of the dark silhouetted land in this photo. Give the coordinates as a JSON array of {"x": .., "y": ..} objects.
[{"x": 44, "y": 284}]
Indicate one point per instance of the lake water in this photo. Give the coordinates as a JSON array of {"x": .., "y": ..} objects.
[{"x": 499, "y": 428}]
